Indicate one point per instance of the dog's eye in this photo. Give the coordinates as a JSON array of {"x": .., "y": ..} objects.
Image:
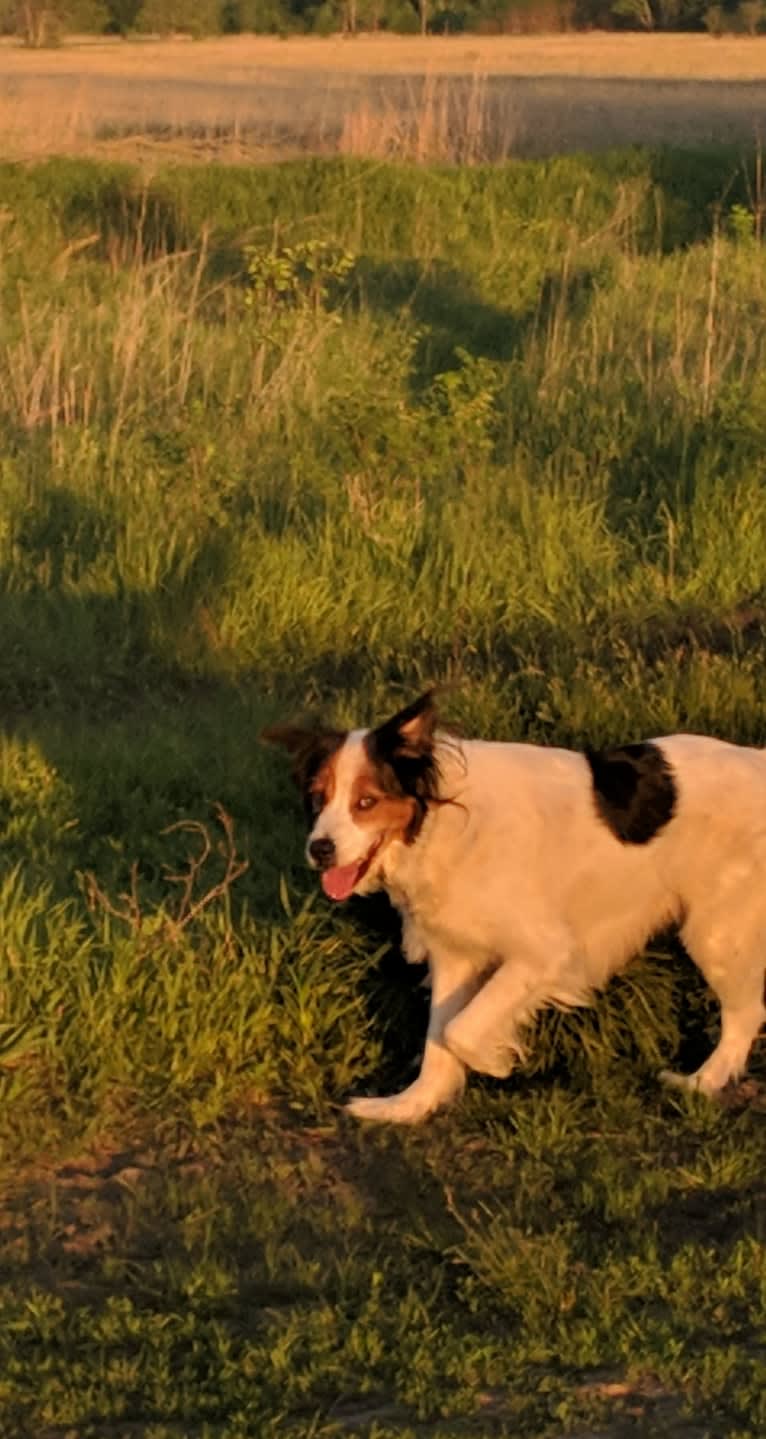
[
  {"x": 366, "y": 801},
  {"x": 316, "y": 801}
]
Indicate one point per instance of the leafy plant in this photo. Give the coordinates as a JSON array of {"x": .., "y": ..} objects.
[
  {"x": 742, "y": 224},
  {"x": 301, "y": 275}
]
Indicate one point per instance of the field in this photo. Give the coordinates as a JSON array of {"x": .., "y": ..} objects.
[
  {"x": 310, "y": 437},
  {"x": 465, "y": 97}
]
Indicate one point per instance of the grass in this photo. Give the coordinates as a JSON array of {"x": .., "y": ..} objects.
[{"x": 307, "y": 438}]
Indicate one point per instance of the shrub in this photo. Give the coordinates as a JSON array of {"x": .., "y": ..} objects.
[
  {"x": 185, "y": 17},
  {"x": 751, "y": 14}
]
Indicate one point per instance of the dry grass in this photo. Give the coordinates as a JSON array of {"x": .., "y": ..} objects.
[
  {"x": 603, "y": 56},
  {"x": 465, "y": 98}
]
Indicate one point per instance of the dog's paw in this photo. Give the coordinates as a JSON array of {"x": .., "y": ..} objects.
[
  {"x": 691, "y": 1083},
  {"x": 707, "y": 1080},
  {"x": 404, "y": 1108}
]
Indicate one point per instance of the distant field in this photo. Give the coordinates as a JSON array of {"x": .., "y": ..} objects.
[{"x": 465, "y": 97}]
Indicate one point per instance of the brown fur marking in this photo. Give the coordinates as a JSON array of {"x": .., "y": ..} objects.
[
  {"x": 324, "y": 780},
  {"x": 391, "y": 814}
]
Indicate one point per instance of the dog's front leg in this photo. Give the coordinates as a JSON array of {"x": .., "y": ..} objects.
[
  {"x": 488, "y": 1033},
  {"x": 442, "y": 1075}
]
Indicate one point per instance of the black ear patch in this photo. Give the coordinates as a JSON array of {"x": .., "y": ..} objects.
[
  {"x": 402, "y": 753},
  {"x": 308, "y": 749},
  {"x": 634, "y": 790}
]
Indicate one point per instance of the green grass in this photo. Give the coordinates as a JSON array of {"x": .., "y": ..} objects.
[{"x": 506, "y": 433}]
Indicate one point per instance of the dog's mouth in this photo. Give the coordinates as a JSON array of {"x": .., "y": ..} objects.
[{"x": 340, "y": 881}]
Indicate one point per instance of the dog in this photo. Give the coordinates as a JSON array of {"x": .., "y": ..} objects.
[{"x": 527, "y": 876}]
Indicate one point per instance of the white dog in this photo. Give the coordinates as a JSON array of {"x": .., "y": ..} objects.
[{"x": 528, "y": 876}]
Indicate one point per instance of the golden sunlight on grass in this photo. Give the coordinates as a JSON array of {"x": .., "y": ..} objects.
[
  {"x": 261, "y": 97},
  {"x": 604, "y": 56}
]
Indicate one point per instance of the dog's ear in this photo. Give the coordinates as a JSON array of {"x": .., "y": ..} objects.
[
  {"x": 308, "y": 748},
  {"x": 290, "y": 737},
  {"x": 409, "y": 734}
]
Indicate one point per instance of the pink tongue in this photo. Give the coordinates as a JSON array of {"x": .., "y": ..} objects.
[{"x": 339, "y": 881}]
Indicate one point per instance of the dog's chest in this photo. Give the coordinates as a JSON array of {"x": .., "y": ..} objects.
[
  {"x": 414, "y": 943},
  {"x": 419, "y": 882}
]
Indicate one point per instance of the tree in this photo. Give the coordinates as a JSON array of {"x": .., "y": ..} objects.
[
  {"x": 38, "y": 22},
  {"x": 184, "y": 17},
  {"x": 637, "y": 13},
  {"x": 751, "y": 13},
  {"x": 123, "y": 15},
  {"x": 260, "y": 17},
  {"x": 43, "y": 22}
]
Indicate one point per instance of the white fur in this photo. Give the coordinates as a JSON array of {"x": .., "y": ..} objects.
[
  {"x": 520, "y": 896},
  {"x": 336, "y": 820}
]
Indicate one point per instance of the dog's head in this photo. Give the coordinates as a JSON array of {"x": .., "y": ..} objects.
[{"x": 363, "y": 789}]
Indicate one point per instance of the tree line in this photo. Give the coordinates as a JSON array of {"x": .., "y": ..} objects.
[{"x": 46, "y": 22}]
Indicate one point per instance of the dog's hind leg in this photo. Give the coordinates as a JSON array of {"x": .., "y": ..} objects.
[
  {"x": 442, "y": 1075},
  {"x": 741, "y": 1020},
  {"x": 734, "y": 969}
]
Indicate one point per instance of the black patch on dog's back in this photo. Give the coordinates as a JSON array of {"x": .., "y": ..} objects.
[{"x": 634, "y": 790}]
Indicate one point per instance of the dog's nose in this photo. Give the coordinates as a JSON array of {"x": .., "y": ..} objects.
[{"x": 322, "y": 851}]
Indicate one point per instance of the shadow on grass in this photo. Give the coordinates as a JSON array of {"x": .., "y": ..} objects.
[
  {"x": 452, "y": 316},
  {"x": 144, "y": 672},
  {"x": 445, "y": 302},
  {"x": 122, "y": 719}
]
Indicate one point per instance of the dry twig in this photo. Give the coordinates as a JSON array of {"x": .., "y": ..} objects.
[{"x": 128, "y": 907}]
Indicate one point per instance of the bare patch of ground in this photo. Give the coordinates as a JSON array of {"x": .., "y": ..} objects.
[{"x": 101, "y": 1227}]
